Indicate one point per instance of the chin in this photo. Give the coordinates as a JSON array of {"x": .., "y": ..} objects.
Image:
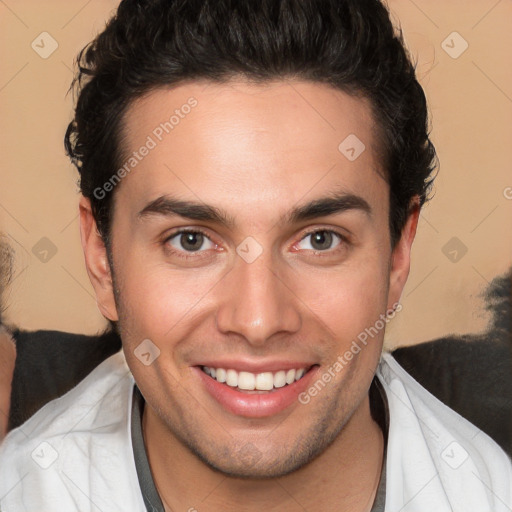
[{"x": 249, "y": 462}]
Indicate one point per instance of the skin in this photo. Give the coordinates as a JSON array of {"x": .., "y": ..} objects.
[
  {"x": 7, "y": 360},
  {"x": 254, "y": 152}
]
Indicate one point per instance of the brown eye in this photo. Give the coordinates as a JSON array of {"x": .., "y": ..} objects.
[
  {"x": 322, "y": 240},
  {"x": 190, "y": 241}
]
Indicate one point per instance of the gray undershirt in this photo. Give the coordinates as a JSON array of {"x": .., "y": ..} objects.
[{"x": 147, "y": 485}]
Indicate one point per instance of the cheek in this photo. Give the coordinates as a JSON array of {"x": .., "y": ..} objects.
[
  {"x": 348, "y": 303},
  {"x": 349, "y": 299},
  {"x": 155, "y": 300}
]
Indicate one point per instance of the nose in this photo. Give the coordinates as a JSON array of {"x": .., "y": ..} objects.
[{"x": 256, "y": 302}]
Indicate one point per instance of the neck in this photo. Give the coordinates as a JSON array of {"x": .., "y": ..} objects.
[{"x": 344, "y": 477}]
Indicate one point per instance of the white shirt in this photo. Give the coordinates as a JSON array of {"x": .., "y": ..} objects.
[{"x": 75, "y": 454}]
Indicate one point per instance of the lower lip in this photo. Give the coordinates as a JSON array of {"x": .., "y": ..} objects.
[{"x": 255, "y": 405}]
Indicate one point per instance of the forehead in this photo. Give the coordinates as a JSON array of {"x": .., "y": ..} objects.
[{"x": 250, "y": 147}]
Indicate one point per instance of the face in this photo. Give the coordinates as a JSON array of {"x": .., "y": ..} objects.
[{"x": 246, "y": 241}]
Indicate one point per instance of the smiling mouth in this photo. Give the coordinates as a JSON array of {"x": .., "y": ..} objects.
[{"x": 256, "y": 383}]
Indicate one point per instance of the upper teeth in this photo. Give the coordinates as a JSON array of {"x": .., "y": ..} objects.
[{"x": 250, "y": 381}]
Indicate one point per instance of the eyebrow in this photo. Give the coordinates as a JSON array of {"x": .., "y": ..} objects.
[{"x": 321, "y": 207}]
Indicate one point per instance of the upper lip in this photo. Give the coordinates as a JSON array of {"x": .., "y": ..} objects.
[{"x": 240, "y": 365}]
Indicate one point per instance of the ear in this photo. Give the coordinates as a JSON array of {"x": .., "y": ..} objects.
[
  {"x": 401, "y": 255},
  {"x": 96, "y": 261}
]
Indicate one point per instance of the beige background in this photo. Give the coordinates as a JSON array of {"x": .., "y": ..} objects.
[{"x": 471, "y": 104}]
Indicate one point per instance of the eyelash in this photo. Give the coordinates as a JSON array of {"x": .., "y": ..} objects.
[{"x": 189, "y": 255}]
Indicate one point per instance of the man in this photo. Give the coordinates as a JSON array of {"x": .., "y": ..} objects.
[{"x": 251, "y": 176}]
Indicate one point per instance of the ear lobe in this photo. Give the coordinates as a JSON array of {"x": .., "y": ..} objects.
[
  {"x": 401, "y": 255},
  {"x": 96, "y": 261}
]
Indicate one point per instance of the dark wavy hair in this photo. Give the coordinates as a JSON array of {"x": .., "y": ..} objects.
[
  {"x": 349, "y": 44},
  {"x": 6, "y": 270}
]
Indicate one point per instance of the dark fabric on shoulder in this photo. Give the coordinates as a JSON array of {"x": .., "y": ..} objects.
[
  {"x": 470, "y": 374},
  {"x": 50, "y": 363}
]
